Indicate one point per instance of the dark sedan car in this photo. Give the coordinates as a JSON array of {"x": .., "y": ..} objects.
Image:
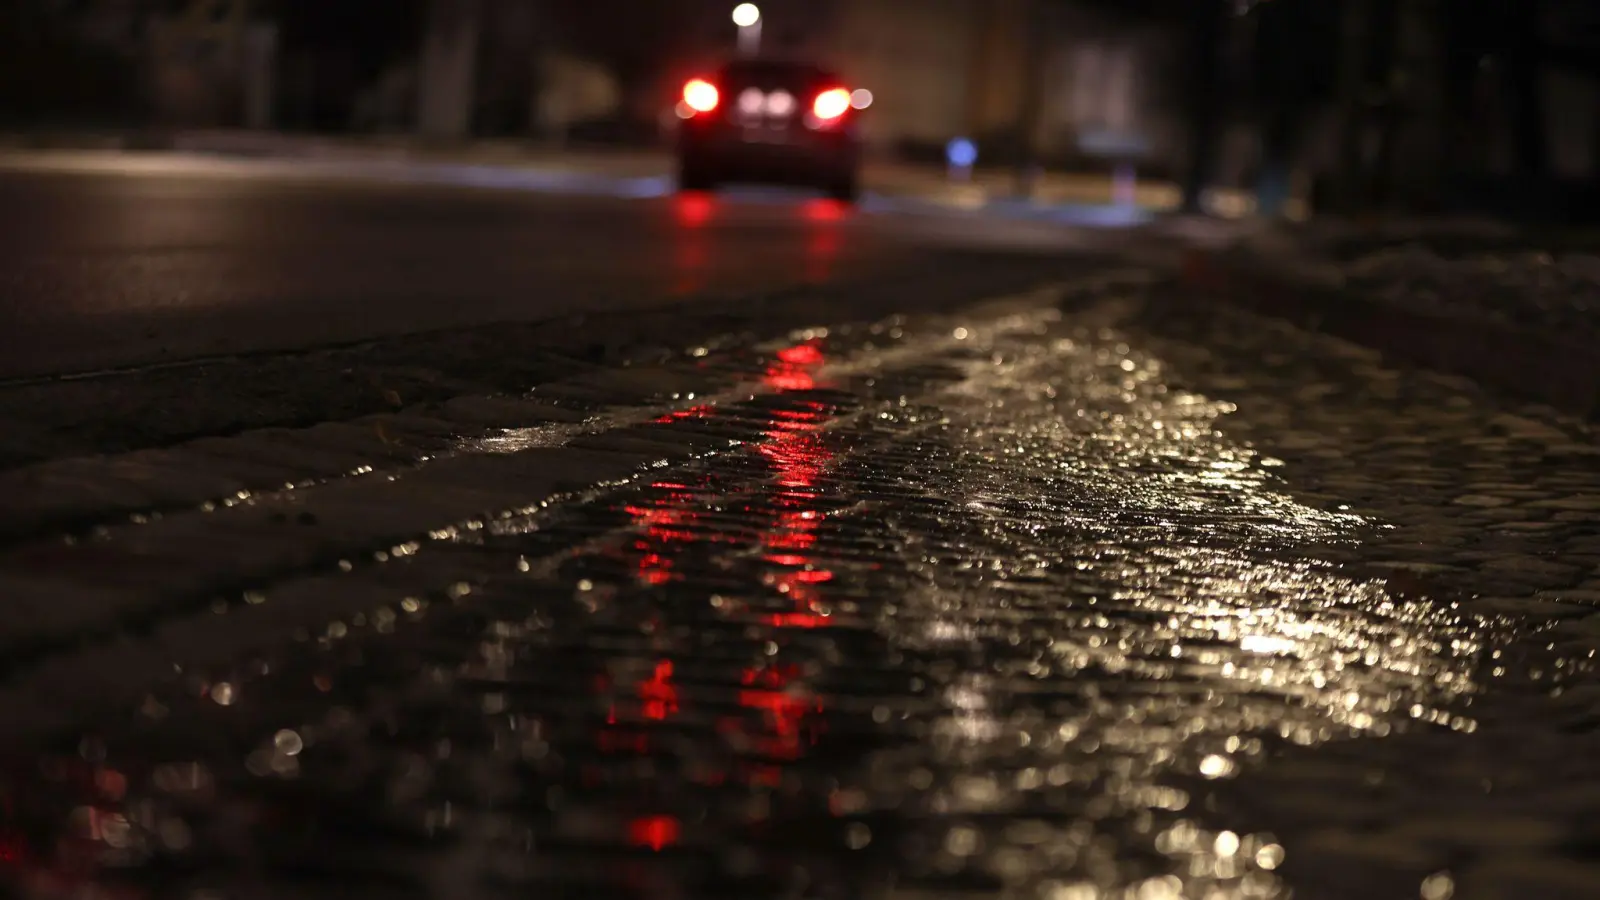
[{"x": 770, "y": 121}]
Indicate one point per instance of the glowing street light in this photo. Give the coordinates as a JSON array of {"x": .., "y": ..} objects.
[
  {"x": 746, "y": 14},
  {"x": 748, "y": 17}
]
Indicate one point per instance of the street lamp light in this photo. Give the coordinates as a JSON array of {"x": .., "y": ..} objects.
[{"x": 748, "y": 17}]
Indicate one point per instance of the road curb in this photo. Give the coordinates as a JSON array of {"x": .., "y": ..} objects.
[
  {"x": 1519, "y": 362},
  {"x": 885, "y": 177}
]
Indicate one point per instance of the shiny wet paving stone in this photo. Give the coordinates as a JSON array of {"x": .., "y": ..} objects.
[{"x": 1068, "y": 606}]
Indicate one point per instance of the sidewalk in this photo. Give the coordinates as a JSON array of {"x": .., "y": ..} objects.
[
  {"x": 882, "y": 177},
  {"x": 1517, "y": 310}
]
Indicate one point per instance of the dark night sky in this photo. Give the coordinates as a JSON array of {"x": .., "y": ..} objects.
[
  {"x": 372, "y": 31},
  {"x": 375, "y": 33},
  {"x": 381, "y": 26}
]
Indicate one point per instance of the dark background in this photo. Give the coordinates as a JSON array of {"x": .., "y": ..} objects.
[{"x": 1450, "y": 111}]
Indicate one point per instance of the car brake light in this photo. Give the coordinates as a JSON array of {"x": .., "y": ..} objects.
[
  {"x": 700, "y": 95},
  {"x": 831, "y": 104}
]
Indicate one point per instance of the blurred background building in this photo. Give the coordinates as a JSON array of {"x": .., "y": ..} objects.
[
  {"x": 1354, "y": 101},
  {"x": 605, "y": 69}
]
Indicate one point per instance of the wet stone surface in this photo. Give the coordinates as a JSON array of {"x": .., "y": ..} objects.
[
  {"x": 1540, "y": 279},
  {"x": 1121, "y": 602},
  {"x": 1468, "y": 496},
  {"x": 1556, "y": 294}
]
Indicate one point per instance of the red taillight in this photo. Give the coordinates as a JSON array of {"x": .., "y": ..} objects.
[
  {"x": 831, "y": 103},
  {"x": 700, "y": 95}
]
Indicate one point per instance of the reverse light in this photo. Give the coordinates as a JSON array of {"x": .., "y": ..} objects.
[
  {"x": 831, "y": 104},
  {"x": 700, "y": 95}
]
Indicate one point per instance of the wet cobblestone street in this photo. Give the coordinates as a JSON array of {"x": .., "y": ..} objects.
[{"x": 1087, "y": 595}]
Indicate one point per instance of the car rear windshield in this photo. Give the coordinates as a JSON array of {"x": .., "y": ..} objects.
[{"x": 771, "y": 74}]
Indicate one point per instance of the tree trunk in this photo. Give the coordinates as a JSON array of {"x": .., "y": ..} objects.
[
  {"x": 1382, "y": 75},
  {"x": 1594, "y": 135},
  {"x": 1350, "y": 173},
  {"x": 1033, "y": 91},
  {"x": 1207, "y": 19},
  {"x": 1461, "y": 151},
  {"x": 445, "y": 89},
  {"x": 1525, "y": 72}
]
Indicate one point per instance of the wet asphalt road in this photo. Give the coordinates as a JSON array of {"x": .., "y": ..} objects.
[
  {"x": 177, "y": 258},
  {"x": 1103, "y": 594},
  {"x": 1110, "y": 597}
]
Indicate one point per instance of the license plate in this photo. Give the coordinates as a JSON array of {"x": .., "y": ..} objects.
[{"x": 766, "y": 135}]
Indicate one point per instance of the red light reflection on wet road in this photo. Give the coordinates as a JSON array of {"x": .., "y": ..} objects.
[
  {"x": 668, "y": 521},
  {"x": 798, "y": 455},
  {"x": 822, "y": 210},
  {"x": 691, "y": 246},
  {"x": 654, "y": 832},
  {"x": 778, "y": 716},
  {"x": 68, "y": 865},
  {"x": 794, "y": 368},
  {"x": 657, "y": 694},
  {"x": 790, "y": 711},
  {"x": 824, "y": 237},
  {"x": 692, "y": 209},
  {"x": 812, "y": 241},
  {"x": 678, "y": 415},
  {"x": 807, "y": 354}
]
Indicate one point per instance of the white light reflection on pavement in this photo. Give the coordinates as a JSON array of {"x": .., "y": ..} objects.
[{"x": 1163, "y": 585}]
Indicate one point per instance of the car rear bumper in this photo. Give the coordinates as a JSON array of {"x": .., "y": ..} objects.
[{"x": 732, "y": 154}]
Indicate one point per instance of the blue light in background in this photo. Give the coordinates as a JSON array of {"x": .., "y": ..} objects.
[{"x": 961, "y": 152}]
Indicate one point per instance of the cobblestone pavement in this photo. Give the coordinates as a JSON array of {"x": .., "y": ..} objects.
[{"x": 1085, "y": 594}]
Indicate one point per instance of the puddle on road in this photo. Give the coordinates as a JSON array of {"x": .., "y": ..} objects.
[{"x": 982, "y": 626}]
